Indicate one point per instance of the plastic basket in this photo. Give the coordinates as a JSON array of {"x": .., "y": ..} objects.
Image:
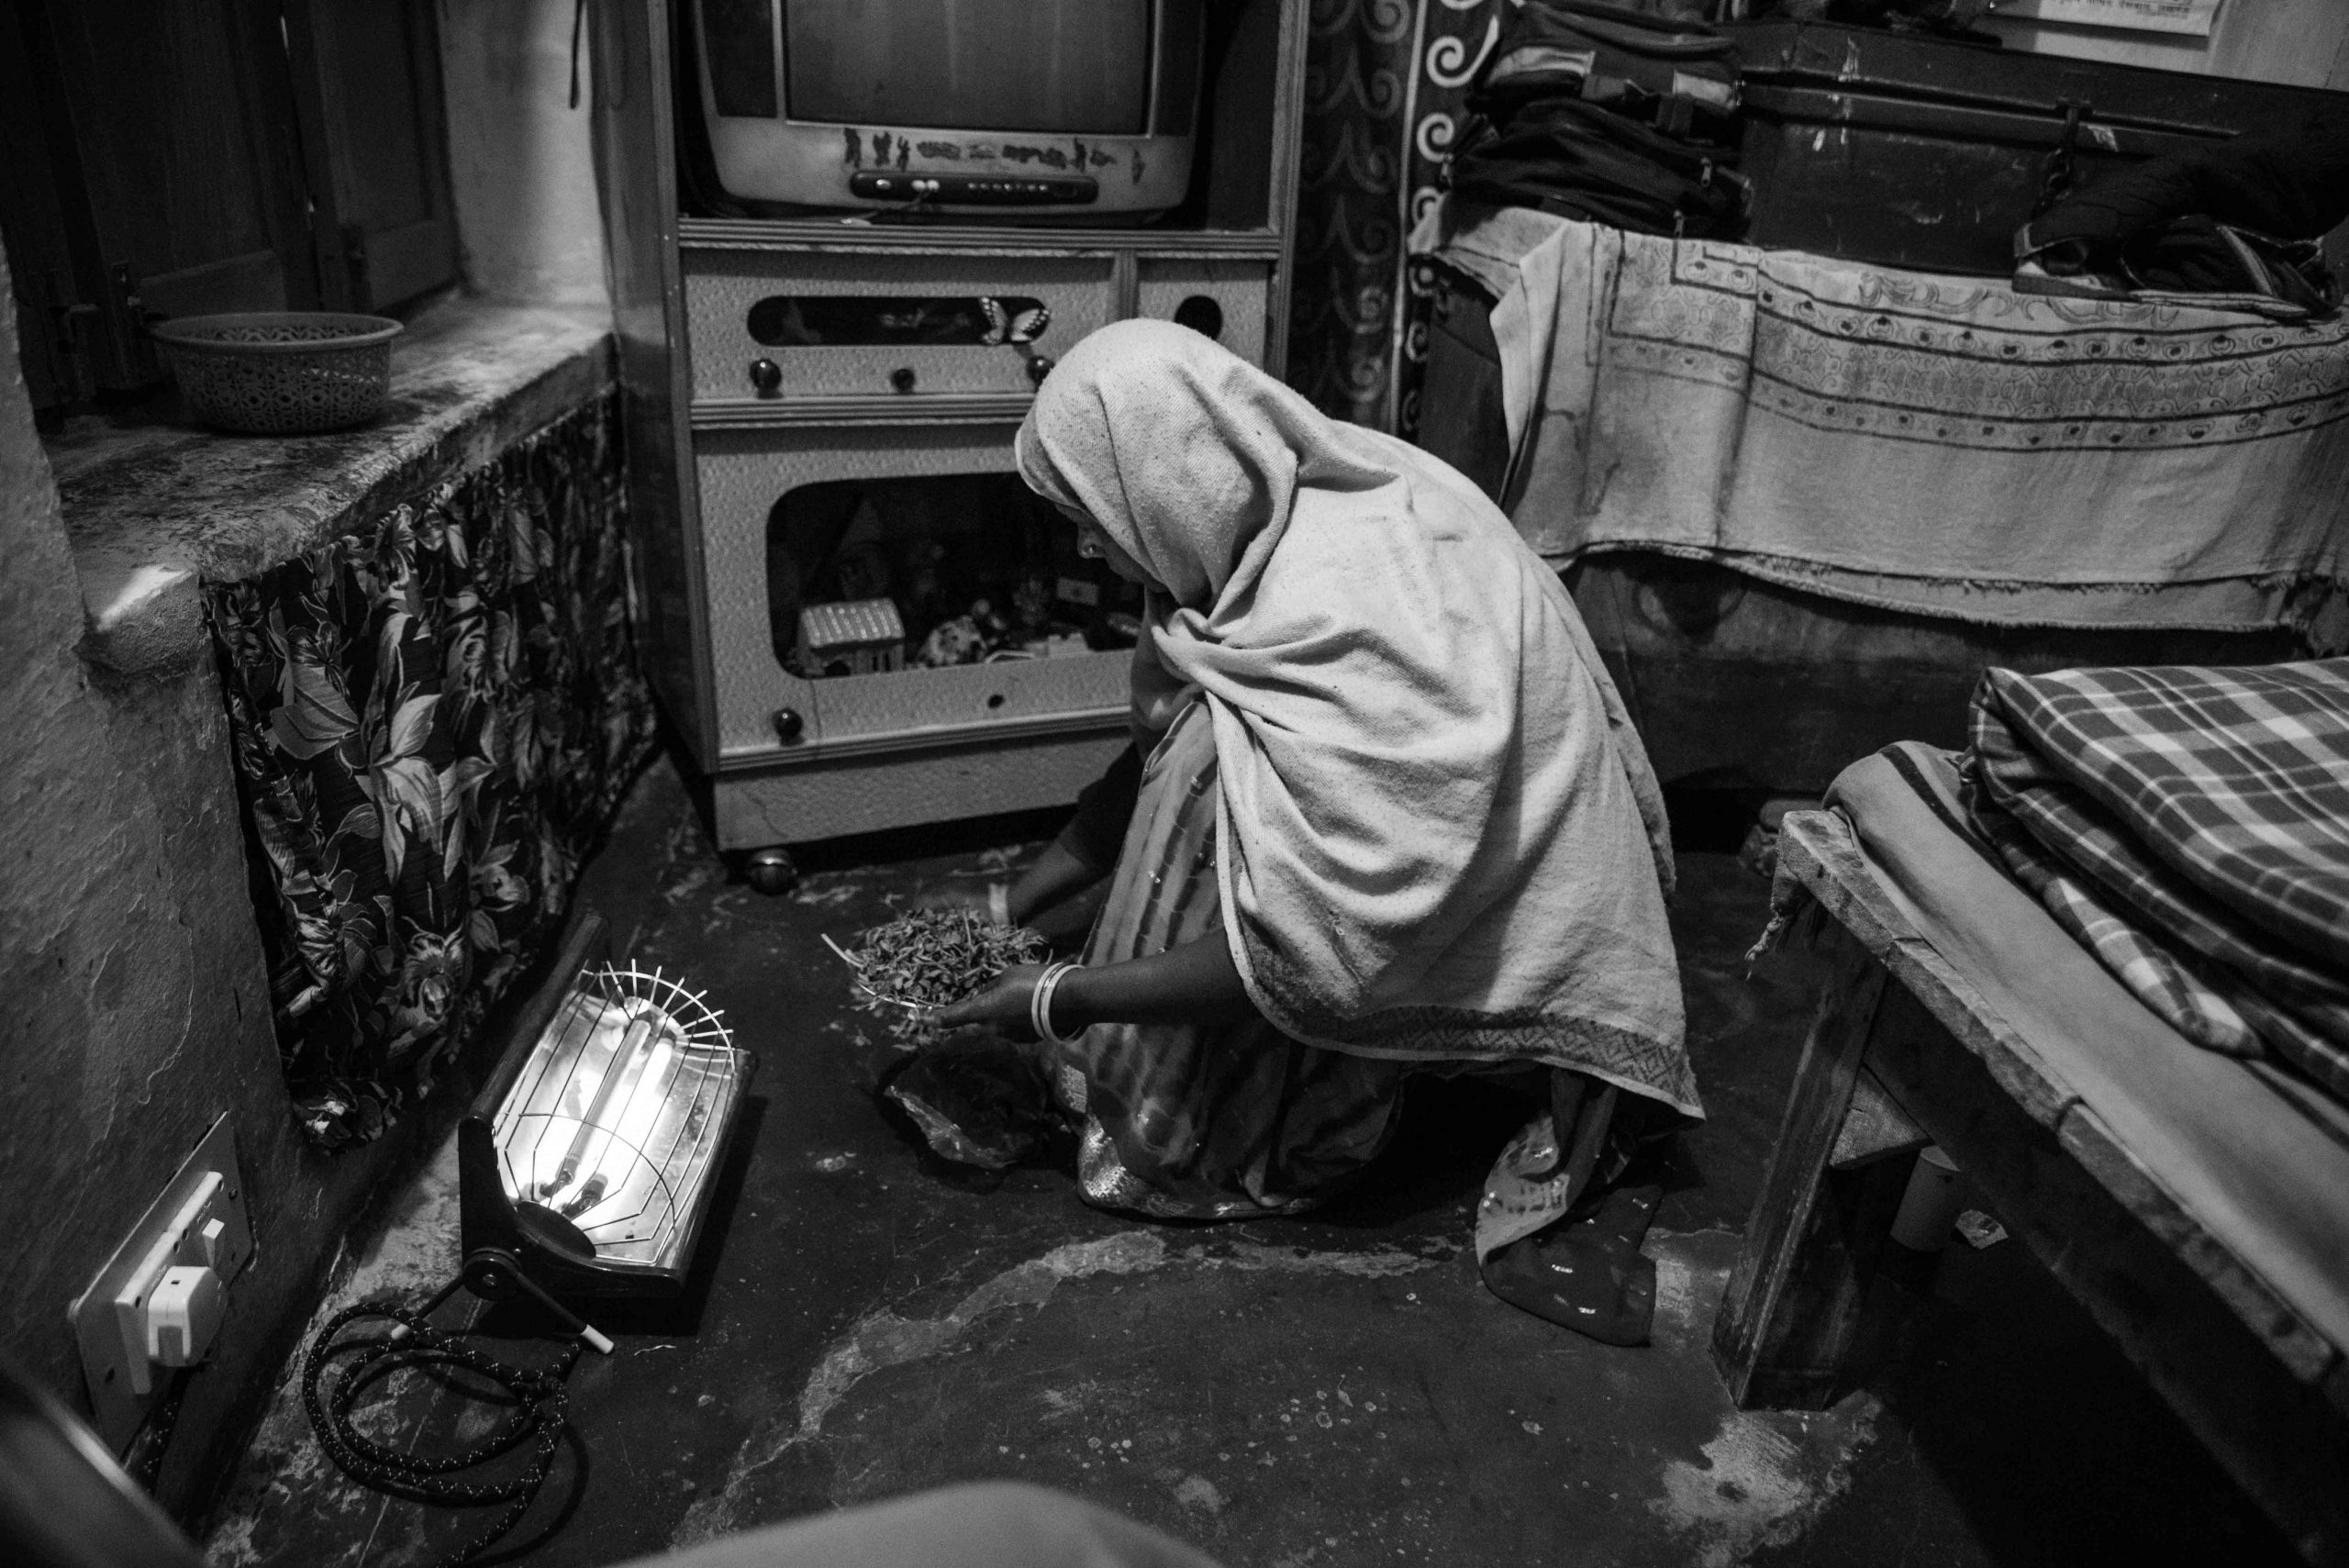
[{"x": 281, "y": 372}]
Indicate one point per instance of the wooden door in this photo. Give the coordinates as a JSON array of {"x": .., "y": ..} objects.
[
  {"x": 184, "y": 156},
  {"x": 367, "y": 85},
  {"x": 152, "y": 180}
]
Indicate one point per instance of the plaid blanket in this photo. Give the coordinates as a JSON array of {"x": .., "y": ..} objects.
[{"x": 2191, "y": 827}]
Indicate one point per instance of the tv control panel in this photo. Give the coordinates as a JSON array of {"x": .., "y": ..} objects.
[{"x": 978, "y": 190}]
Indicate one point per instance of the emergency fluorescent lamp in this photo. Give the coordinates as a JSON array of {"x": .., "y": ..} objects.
[{"x": 587, "y": 1167}]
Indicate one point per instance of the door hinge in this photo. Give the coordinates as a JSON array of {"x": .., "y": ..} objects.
[
  {"x": 129, "y": 358},
  {"x": 56, "y": 371},
  {"x": 354, "y": 257},
  {"x": 87, "y": 347}
]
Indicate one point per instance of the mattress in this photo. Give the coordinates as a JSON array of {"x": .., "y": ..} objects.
[{"x": 2255, "y": 1155}]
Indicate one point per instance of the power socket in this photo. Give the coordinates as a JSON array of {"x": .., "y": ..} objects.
[{"x": 160, "y": 1300}]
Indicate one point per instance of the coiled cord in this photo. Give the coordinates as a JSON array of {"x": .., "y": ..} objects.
[{"x": 541, "y": 1406}]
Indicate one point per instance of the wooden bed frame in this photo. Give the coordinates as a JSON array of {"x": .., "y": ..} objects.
[{"x": 1904, "y": 1050}]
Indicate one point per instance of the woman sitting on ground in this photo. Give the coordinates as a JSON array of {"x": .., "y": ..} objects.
[{"x": 1392, "y": 818}]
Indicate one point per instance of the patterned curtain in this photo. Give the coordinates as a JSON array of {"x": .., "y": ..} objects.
[
  {"x": 432, "y": 720},
  {"x": 1383, "y": 89}
]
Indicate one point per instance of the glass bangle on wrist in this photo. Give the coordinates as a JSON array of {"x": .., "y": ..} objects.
[{"x": 1039, "y": 1001}]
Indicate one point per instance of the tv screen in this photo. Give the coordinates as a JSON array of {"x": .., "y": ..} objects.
[{"x": 1079, "y": 66}]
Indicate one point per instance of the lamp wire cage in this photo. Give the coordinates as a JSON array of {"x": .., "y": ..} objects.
[
  {"x": 612, "y": 1127},
  {"x": 589, "y": 1168}
]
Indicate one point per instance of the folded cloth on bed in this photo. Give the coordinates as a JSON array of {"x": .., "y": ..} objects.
[
  {"x": 2191, "y": 827},
  {"x": 2255, "y": 1156}
]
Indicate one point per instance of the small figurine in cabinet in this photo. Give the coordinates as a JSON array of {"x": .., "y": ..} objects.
[{"x": 856, "y": 636}]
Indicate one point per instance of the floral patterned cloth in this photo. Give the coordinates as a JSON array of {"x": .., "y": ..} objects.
[{"x": 432, "y": 719}]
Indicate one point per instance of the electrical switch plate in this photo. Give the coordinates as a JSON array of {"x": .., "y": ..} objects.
[{"x": 157, "y": 1303}]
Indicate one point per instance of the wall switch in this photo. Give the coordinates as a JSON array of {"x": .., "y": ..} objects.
[
  {"x": 213, "y": 1247},
  {"x": 183, "y": 1312},
  {"x": 158, "y": 1302}
]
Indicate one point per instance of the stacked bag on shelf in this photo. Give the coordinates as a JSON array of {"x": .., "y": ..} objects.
[
  {"x": 2237, "y": 224},
  {"x": 1607, "y": 115}
]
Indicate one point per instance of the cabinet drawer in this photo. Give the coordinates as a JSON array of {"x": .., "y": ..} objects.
[
  {"x": 835, "y": 324},
  {"x": 1203, "y": 292},
  {"x": 744, "y": 477}
]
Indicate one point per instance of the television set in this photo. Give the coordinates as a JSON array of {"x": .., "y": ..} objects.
[{"x": 1072, "y": 109}]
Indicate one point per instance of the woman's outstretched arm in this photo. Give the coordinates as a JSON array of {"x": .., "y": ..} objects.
[
  {"x": 1081, "y": 855},
  {"x": 1057, "y": 876},
  {"x": 1196, "y": 983}
]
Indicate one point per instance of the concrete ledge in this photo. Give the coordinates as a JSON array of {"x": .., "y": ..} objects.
[{"x": 152, "y": 508}]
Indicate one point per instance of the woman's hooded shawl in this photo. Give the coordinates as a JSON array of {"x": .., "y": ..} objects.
[{"x": 1439, "y": 836}]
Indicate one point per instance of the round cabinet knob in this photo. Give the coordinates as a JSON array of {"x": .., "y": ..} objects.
[
  {"x": 1201, "y": 314},
  {"x": 1039, "y": 367},
  {"x": 766, "y": 377},
  {"x": 788, "y": 726},
  {"x": 902, "y": 378}
]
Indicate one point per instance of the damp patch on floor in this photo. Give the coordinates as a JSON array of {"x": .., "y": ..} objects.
[
  {"x": 1764, "y": 1476},
  {"x": 1286, "y": 1404},
  {"x": 882, "y": 1339}
]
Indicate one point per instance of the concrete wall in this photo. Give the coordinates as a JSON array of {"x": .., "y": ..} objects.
[
  {"x": 136, "y": 1009},
  {"x": 519, "y": 158}
]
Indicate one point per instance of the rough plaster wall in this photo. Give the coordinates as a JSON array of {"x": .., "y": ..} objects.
[
  {"x": 136, "y": 1009},
  {"x": 519, "y": 156}
]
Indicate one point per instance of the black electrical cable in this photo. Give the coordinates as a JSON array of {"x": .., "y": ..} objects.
[
  {"x": 542, "y": 1405},
  {"x": 144, "y": 1461}
]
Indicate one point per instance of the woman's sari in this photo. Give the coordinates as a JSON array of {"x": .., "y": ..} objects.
[{"x": 1205, "y": 1121}]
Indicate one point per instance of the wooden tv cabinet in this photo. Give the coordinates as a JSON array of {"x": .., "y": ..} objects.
[{"x": 722, "y": 425}]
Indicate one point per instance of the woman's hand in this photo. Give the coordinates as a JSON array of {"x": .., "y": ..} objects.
[
  {"x": 1056, "y": 876},
  {"x": 1196, "y": 983},
  {"x": 1003, "y": 1004}
]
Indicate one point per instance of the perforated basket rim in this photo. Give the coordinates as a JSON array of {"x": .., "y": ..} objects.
[{"x": 197, "y": 332}]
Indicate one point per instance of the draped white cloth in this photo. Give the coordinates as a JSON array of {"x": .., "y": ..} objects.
[
  {"x": 1439, "y": 836},
  {"x": 1940, "y": 445}
]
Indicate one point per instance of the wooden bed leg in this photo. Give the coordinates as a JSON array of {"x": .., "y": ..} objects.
[{"x": 1790, "y": 1323}]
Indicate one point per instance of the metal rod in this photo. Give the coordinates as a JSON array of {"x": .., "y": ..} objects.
[
  {"x": 638, "y": 1034},
  {"x": 571, "y": 1322},
  {"x": 428, "y": 1308}
]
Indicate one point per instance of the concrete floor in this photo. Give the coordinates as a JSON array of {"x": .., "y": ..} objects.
[{"x": 1339, "y": 1390}]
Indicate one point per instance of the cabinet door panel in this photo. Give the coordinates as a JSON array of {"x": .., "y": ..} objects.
[
  {"x": 743, "y": 476},
  {"x": 1225, "y": 300},
  {"x": 747, "y": 308}
]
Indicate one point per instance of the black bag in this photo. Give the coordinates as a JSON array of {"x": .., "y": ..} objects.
[
  {"x": 1608, "y": 114},
  {"x": 1906, "y": 149},
  {"x": 2241, "y": 218}
]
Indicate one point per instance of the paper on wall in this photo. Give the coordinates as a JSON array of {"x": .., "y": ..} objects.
[{"x": 2190, "y": 16}]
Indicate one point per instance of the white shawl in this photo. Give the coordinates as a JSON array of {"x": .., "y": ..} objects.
[{"x": 1439, "y": 836}]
